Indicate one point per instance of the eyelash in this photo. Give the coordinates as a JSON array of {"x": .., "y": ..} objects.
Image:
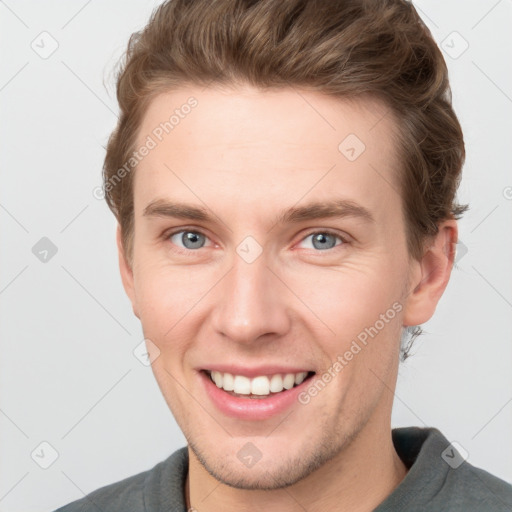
[{"x": 168, "y": 235}]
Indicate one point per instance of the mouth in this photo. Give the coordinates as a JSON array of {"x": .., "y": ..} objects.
[
  {"x": 255, "y": 393},
  {"x": 258, "y": 387}
]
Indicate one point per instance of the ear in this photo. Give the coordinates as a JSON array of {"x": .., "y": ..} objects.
[
  {"x": 430, "y": 276},
  {"x": 126, "y": 272}
]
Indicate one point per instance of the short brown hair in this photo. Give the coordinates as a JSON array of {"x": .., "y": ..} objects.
[{"x": 343, "y": 48}]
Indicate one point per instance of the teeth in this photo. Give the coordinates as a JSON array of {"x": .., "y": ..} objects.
[
  {"x": 289, "y": 381},
  {"x": 276, "y": 383},
  {"x": 260, "y": 385},
  {"x": 242, "y": 385},
  {"x": 217, "y": 378},
  {"x": 299, "y": 377},
  {"x": 228, "y": 382}
]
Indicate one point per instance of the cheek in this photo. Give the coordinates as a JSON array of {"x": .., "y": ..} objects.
[
  {"x": 335, "y": 303},
  {"x": 357, "y": 324},
  {"x": 165, "y": 298},
  {"x": 349, "y": 298},
  {"x": 174, "y": 303}
]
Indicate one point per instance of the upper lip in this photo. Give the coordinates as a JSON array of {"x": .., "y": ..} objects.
[{"x": 256, "y": 371}]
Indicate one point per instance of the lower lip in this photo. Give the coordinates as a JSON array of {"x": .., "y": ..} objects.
[{"x": 251, "y": 408}]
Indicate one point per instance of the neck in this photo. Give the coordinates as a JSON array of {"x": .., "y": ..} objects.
[{"x": 357, "y": 479}]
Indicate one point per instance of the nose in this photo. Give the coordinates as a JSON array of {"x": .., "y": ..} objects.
[{"x": 251, "y": 303}]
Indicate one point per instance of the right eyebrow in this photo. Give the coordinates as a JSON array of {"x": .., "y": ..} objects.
[{"x": 163, "y": 208}]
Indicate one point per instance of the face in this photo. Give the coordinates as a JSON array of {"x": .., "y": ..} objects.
[{"x": 270, "y": 256}]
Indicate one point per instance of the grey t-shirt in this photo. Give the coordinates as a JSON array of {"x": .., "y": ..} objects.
[{"x": 438, "y": 480}]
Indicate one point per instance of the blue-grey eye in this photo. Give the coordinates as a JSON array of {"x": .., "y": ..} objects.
[
  {"x": 323, "y": 240},
  {"x": 189, "y": 239}
]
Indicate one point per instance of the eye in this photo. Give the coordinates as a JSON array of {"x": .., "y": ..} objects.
[
  {"x": 188, "y": 239},
  {"x": 324, "y": 240}
]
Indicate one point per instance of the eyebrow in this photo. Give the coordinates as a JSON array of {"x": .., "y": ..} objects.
[{"x": 337, "y": 208}]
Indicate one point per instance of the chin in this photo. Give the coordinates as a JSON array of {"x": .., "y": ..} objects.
[{"x": 282, "y": 471}]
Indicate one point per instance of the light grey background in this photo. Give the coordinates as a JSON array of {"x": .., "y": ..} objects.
[{"x": 68, "y": 376}]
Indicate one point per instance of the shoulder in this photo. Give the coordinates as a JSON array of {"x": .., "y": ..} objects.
[
  {"x": 471, "y": 488},
  {"x": 441, "y": 478},
  {"x": 148, "y": 491},
  {"x": 127, "y": 494}
]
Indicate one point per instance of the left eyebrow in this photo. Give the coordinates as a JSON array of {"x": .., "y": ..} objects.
[{"x": 338, "y": 208}]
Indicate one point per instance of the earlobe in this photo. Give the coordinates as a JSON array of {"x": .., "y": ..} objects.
[
  {"x": 430, "y": 276},
  {"x": 126, "y": 272}
]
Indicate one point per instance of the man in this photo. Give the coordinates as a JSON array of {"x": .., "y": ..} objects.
[{"x": 284, "y": 175}]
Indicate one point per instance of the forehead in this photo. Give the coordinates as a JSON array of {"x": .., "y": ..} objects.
[{"x": 245, "y": 147}]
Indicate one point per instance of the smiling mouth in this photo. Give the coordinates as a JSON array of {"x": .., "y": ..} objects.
[{"x": 259, "y": 387}]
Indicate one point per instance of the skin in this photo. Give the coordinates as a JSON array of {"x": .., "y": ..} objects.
[{"x": 244, "y": 155}]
